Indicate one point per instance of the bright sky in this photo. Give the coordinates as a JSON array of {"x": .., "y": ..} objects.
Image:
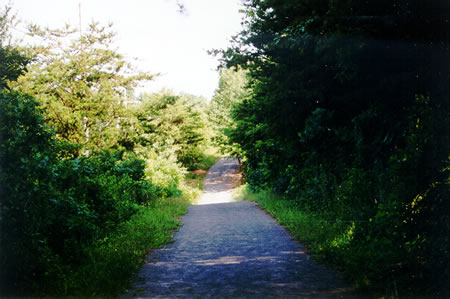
[{"x": 154, "y": 31}]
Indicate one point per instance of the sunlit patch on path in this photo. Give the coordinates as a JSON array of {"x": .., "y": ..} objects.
[
  {"x": 219, "y": 181},
  {"x": 233, "y": 249}
]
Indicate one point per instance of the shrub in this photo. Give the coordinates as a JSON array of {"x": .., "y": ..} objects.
[
  {"x": 54, "y": 205},
  {"x": 27, "y": 198}
]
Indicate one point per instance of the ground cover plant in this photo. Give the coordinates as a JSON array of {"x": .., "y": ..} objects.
[
  {"x": 112, "y": 262},
  {"x": 332, "y": 241}
]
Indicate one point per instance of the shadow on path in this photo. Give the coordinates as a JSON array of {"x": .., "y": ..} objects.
[{"x": 234, "y": 249}]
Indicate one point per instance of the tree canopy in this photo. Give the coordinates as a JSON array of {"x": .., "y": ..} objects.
[
  {"x": 349, "y": 115},
  {"x": 173, "y": 122},
  {"x": 232, "y": 90},
  {"x": 13, "y": 61},
  {"x": 82, "y": 83}
]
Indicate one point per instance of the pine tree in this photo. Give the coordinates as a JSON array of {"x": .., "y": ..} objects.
[{"x": 82, "y": 84}]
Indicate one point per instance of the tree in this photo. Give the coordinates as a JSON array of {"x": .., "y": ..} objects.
[
  {"x": 12, "y": 60},
  {"x": 232, "y": 90},
  {"x": 82, "y": 84},
  {"x": 171, "y": 121},
  {"x": 54, "y": 206},
  {"x": 349, "y": 115}
]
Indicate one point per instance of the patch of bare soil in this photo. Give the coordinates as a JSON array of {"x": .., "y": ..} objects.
[{"x": 199, "y": 172}]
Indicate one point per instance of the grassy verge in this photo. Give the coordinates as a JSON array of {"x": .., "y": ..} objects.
[
  {"x": 327, "y": 241},
  {"x": 113, "y": 261},
  {"x": 365, "y": 262},
  {"x": 320, "y": 236}
]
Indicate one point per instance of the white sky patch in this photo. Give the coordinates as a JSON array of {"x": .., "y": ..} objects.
[{"x": 154, "y": 31}]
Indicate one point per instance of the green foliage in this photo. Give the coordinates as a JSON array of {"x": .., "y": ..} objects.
[
  {"x": 317, "y": 233},
  {"x": 163, "y": 170},
  {"x": 207, "y": 161},
  {"x": 361, "y": 258},
  {"x": 82, "y": 84},
  {"x": 173, "y": 123},
  {"x": 55, "y": 207},
  {"x": 26, "y": 160},
  {"x": 231, "y": 90},
  {"x": 75, "y": 225},
  {"x": 12, "y": 61},
  {"x": 348, "y": 118},
  {"x": 111, "y": 262},
  {"x": 12, "y": 65},
  {"x": 194, "y": 178}
]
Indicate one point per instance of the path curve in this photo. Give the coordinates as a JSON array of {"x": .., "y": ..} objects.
[
  {"x": 221, "y": 178},
  {"x": 233, "y": 249}
]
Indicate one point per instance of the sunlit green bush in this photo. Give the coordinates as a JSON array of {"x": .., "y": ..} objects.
[{"x": 56, "y": 206}]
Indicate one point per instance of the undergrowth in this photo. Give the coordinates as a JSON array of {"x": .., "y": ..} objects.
[
  {"x": 326, "y": 240},
  {"x": 321, "y": 237},
  {"x": 194, "y": 178},
  {"x": 113, "y": 261},
  {"x": 207, "y": 160}
]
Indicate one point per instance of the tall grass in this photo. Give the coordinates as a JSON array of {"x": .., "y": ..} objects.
[
  {"x": 326, "y": 240},
  {"x": 321, "y": 236},
  {"x": 207, "y": 160},
  {"x": 113, "y": 261},
  {"x": 336, "y": 242}
]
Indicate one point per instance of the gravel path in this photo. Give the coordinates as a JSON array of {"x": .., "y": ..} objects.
[
  {"x": 221, "y": 178},
  {"x": 233, "y": 249}
]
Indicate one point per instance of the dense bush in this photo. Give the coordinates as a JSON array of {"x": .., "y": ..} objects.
[
  {"x": 173, "y": 124},
  {"x": 82, "y": 201},
  {"x": 110, "y": 263},
  {"x": 27, "y": 160},
  {"x": 349, "y": 116},
  {"x": 54, "y": 204},
  {"x": 231, "y": 90}
]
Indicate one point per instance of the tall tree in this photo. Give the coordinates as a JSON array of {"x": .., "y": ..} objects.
[
  {"x": 349, "y": 114},
  {"x": 12, "y": 60},
  {"x": 231, "y": 91},
  {"x": 172, "y": 121},
  {"x": 82, "y": 83}
]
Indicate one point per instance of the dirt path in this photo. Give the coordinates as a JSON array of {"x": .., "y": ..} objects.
[
  {"x": 221, "y": 178},
  {"x": 233, "y": 249}
]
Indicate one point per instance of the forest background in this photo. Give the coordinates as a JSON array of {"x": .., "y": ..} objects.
[{"x": 338, "y": 110}]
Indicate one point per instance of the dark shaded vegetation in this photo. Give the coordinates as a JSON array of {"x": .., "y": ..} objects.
[{"x": 348, "y": 116}]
